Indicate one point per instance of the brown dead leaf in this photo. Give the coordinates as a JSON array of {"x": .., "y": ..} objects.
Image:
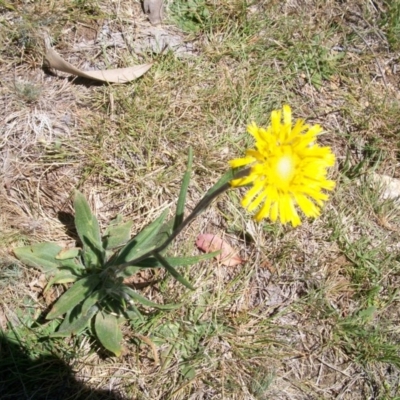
[
  {"x": 154, "y": 9},
  {"x": 119, "y": 75},
  {"x": 208, "y": 243}
]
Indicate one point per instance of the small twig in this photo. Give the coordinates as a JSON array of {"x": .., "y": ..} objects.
[
  {"x": 153, "y": 347},
  {"x": 334, "y": 368},
  {"x": 346, "y": 49}
]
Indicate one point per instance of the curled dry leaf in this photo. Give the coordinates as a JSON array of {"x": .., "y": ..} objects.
[
  {"x": 208, "y": 243},
  {"x": 119, "y": 75}
]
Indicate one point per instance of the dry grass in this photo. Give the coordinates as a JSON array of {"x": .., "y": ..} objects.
[{"x": 313, "y": 314}]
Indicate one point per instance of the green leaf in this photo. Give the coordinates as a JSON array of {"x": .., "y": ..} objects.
[
  {"x": 91, "y": 301},
  {"x": 139, "y": 245},
  {"x": 146, "y": 302},
  {"x": 88, "y": 230},
  {"x": 73, "y": 264},
  {"x": 173, "y": 271},
  {"x": 62, "y": 276},
  {"x": 115, "y": 304},
  {"x": 75, "y": 322},
  {"x": 152, "y": 262},
  {"x": 133, "y": 314},
  {"x": 73, "y": 296},
  {"x": 129, "y": 271},
  {"x": 108, "y": 332},
  {"x": 41, "y": 256},
  {"x": 178, "y": 276},
  {"x": 163, "y": 234},
  {"x": 122, "y": 305},
  {"x": 66, "y": 254},
  {"x": 221, "y": 186},
  {"x": 117, "y": 235},
  {"x": 367, "y": 313},
  {"x": 180, "y": 207},
  {"x": 188, "y": 372}
]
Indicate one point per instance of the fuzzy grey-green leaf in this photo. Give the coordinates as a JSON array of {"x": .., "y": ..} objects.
[
  {"x": 91, "y": 301},
  {"x": 75, "y": 324},
  {"x": 117, "y": 235},
  {"x": 108, "y": 332},
  {"x": 173, "y": 271},
  {"x": 62, "y": 276},
  {"x": 139, "y": 245},
  {"x": 41, "y": 256},
  {"x": 88, "y": 230},
  {"x": 66, "y": 254},
  {"x": 73, "y": 296}
]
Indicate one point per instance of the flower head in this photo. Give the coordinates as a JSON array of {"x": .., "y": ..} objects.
[{"x": 288, "y": 170}]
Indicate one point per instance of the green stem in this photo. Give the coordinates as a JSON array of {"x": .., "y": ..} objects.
[{"x": 201, "y": 206}]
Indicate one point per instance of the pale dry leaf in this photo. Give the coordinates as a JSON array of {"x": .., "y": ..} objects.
[
  {"x": 208, "y": 243},
  {"x": 119, "y": 75},
  {"x": 154, "y": 10},
  {"x": 390, "y": 186}
]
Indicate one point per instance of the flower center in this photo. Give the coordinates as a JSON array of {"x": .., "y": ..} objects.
[{"x": 285, "y": 169}]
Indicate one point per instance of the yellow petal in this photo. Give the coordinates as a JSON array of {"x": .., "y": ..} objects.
[
  {"x": 274, "y": 211},
  {"x": 257, "y": 201},
  {"x": 240, "y": 162},
  {"x": 276, "y": 121},
  {"x": 243, "y": 181},
  {"x": 251, "y": 193},
  {"x": 307, "y": 206},
  {"x": 264, "y": 211},
  {"x": 287, "y": 115}
]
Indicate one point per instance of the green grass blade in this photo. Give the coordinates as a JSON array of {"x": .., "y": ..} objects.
[{"x": 180, "y": 207}]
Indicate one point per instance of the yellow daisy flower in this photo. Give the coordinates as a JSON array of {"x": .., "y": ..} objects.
[{"x": 288, "y": 169}]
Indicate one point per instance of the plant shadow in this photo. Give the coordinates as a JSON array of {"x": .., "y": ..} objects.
[{"x": 44, "y": 378}]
